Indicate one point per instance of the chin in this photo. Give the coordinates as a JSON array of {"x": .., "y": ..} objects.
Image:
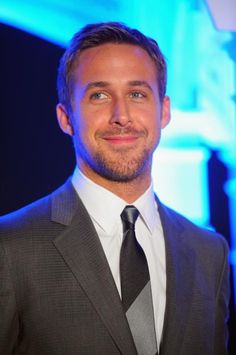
[{"x": 126, "y": 173}]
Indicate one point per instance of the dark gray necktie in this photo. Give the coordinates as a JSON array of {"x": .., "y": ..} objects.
[{"x": 136, "y": 286}]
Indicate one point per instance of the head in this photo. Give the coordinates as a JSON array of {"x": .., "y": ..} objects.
[
  {"x": 111, "y": 87},
  {"x": 94, "y": 35}
]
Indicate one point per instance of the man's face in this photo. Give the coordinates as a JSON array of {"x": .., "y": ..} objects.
[{"x": 117, "y": 115}]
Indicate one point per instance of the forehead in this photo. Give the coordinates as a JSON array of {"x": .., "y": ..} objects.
[{"x": 112, "y": 59}]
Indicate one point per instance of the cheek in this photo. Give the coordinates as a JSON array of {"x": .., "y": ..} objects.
[
  {"x": 83, "y": 131},
  {"x": 81, "y": 120},
  {"x": 85, "y": 134},
  {"x": 151, "y": 121},
  {"x": 154, "y": 130},
  {"x": 92, "y": 117}
]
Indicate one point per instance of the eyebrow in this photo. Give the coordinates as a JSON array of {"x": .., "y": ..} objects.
[
  {"x": 140, "y": 83},
  {"x": 104, "y": 84},
  {"x": 96, "y": 84}
]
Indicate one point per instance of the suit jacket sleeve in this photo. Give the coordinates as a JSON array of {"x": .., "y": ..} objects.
[
  {"x": 9, "y": 326},
  {"x": 222, "y": 310}
]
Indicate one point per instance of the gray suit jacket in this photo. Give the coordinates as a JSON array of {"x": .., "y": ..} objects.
[{"x": 58, "y": 297}]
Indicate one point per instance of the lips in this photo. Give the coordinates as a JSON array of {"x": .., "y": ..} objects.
[
  {"x": 121, "y": 139},
  {"x": 121, "y": 136}
]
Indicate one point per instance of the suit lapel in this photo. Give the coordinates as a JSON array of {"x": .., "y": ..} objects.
[
  {"x": 180, "y": 270},
  {"x": 80, "y": 247}
]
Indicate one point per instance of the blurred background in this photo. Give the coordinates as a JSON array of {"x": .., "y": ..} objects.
[{"x": 195, "y": 166}]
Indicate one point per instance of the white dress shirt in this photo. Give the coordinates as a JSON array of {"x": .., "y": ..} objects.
[{"x": 105, "y": 208}]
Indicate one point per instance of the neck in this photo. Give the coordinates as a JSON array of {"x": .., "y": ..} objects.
[{"x": 128, "y": 191}]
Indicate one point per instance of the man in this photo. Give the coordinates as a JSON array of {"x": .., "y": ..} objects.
[{"x": 65, "y": 264}]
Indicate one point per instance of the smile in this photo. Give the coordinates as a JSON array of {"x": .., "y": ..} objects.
[{"x": 125, "y": 139}]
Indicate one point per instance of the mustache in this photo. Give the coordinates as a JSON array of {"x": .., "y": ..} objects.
[{"x": 121, "y": 131}]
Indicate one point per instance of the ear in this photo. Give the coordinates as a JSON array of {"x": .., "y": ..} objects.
[
  {"x": 165, "y": 114},
  {"x": 64, "y": 120}
]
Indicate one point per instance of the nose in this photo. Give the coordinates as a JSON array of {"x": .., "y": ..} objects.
[{"x": 120, "y": 113}]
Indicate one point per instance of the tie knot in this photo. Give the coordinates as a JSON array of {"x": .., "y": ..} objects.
[{"x": 129, "y": 215}]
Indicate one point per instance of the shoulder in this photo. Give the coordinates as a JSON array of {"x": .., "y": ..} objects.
[
  {"x": 194, "y": 236},
  {"x": 25, "y": 216},
  {"x": 193, "y": 246},
  {"x": 21, "y": 230},
  {"x": 35, "y": 216}
]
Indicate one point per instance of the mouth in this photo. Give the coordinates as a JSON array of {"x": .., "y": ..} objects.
[
  {"x": 121, "y": 139},
  {"x": 121, "y": 136}
]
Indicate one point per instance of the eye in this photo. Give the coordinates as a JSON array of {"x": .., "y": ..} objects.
[
  {"x": 98, "y": 96},
  {"x": 137, "y": 95}
]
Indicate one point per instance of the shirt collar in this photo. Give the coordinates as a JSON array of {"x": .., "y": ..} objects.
[{"x": 103, "y": 206}]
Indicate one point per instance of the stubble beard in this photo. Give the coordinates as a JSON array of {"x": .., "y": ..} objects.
[
  {"x": 117, "y": 164},
  {"x": 122, "y": 166}
]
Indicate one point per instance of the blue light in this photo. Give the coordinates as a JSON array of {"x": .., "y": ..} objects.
[
  {"x": 55, "y": 20},
  {"x": 232, "y": 258},
  {"x": 180, "y": 180},
  {"x": 201, "y": 83}
]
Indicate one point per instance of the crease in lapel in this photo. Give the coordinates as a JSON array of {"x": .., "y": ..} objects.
[{"x": 64, "y": 203}]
